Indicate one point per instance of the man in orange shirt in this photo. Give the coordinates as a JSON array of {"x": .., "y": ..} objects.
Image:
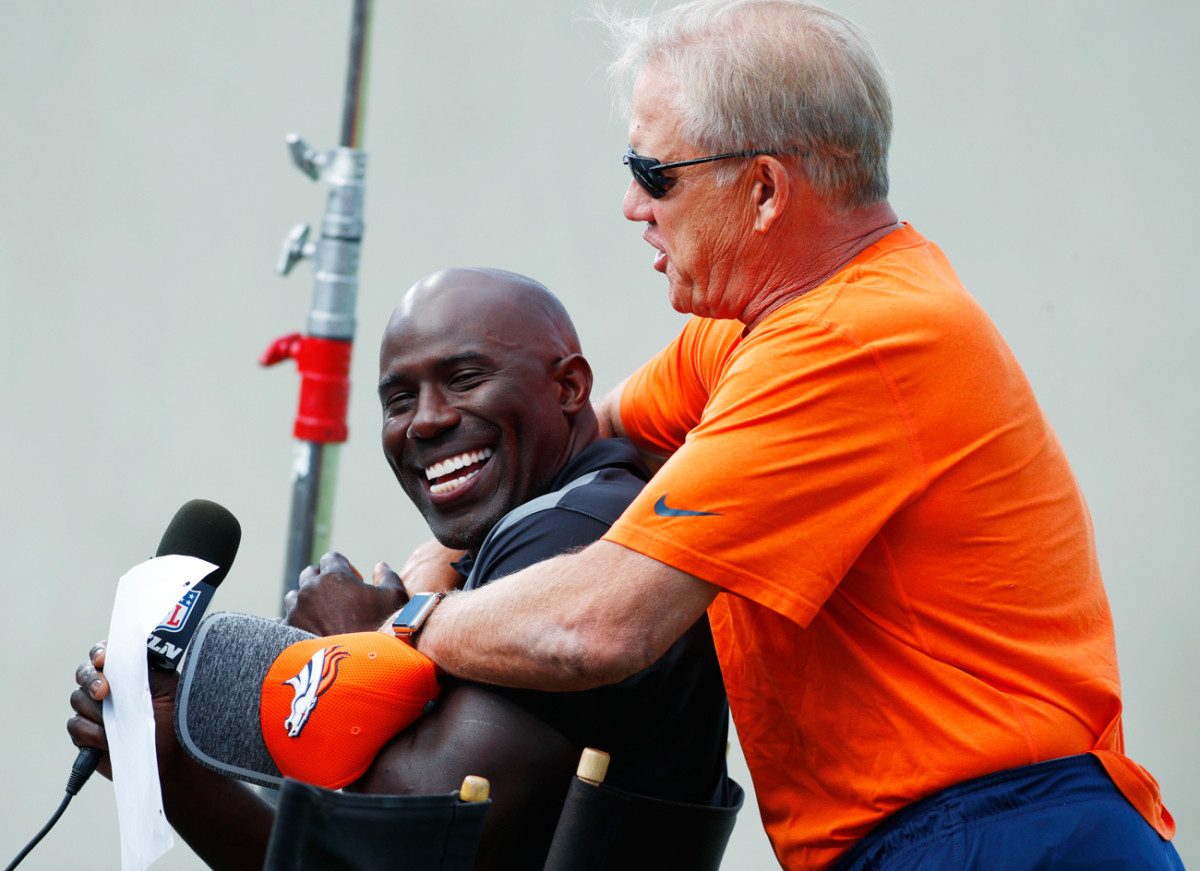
[{"x": 856, "y": 481}]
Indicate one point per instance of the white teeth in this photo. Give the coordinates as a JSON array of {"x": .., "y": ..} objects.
[
  {"x": 445, "y": 467},
  {"x": 447, "y": 486}
]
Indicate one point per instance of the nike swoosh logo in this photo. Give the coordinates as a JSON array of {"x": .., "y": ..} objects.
[{"x": 662, "y": 509}]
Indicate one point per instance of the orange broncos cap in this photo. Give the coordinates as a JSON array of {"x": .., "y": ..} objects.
[{"x": 329, "y": 704}]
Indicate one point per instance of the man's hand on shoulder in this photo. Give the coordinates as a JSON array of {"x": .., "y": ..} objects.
[
  {"x": 608, "y": 415},
  {"x": 430, "y": 569},
  {"x": 333, "y": 598}
]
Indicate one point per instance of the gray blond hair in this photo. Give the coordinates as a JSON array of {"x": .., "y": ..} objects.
[{"x": 785, "y": 76}]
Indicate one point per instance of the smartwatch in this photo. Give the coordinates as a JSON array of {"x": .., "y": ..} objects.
[{"x": 413, "y": 615}]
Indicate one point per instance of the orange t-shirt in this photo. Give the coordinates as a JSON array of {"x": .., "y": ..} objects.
[{"x": 912, "y": 594}]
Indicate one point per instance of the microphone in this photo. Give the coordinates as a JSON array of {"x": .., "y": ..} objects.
[{"x": 201, "y": 529}]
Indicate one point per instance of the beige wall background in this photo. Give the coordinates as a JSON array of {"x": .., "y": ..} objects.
[{"x": 1049, "y": 147}]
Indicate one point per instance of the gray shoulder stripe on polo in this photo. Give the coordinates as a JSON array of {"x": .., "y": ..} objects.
[{"x": 541, "y": 503}]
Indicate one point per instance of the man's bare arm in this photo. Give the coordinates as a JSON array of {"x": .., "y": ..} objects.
[
  {"x": 472, "y": 730},
  {"x": 568, "y": 623}
]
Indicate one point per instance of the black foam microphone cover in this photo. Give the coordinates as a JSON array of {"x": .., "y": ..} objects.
[
  {"x": 206, "y": 530},
  {"x": 210, "y": 532}
]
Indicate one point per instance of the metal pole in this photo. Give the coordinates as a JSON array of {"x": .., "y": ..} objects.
[{"x": 323, "y": 353}]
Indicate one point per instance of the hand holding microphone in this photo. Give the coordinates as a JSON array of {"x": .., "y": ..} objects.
[
  {"x": 200, "y": 529},
  {"x": 86, "y": 728}
]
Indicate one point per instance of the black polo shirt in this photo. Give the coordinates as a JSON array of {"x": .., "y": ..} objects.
[{"x": 666, "y": 727}]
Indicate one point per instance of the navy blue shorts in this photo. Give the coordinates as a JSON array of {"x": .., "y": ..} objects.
[{"x": 1063, "y": 814}]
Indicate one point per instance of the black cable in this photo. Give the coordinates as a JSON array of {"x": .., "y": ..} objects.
[{"x": 85, "y": 764}]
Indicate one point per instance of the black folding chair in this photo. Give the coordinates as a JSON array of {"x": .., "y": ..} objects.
[
  {"x": 607, "y": 829},
  {"x": 319, "y": 829}
]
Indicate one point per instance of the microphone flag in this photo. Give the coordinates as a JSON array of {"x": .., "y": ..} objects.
[{"x": 144, "y": 594}]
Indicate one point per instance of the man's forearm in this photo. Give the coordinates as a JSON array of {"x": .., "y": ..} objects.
[
  {"x": 224, "y": 821},
  {"x": 569, "y": 623}
]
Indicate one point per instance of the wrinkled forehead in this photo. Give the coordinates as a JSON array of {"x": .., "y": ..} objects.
[{"x": 655, "y": 121}]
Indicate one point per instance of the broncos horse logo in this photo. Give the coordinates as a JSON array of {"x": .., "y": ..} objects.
[{"x": 309, "y": 685}]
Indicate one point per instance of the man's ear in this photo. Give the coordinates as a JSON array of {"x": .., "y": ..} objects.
[
  {"x": 771, "y": 188},
  {"x": 573, "y": 375}
]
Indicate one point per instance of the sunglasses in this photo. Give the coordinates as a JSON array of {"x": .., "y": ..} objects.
[{"x": 648, "y": 172}]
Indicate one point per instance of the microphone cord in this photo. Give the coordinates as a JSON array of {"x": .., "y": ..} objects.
[{"x": 85, "y": 764}]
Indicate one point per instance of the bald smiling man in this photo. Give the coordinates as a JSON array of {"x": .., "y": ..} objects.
[{"x": 489, "y": 428}]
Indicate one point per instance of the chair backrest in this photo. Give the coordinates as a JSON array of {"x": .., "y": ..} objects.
[
  {"x": 607, "y": 829},
  {"x": 318, "y": 829}
]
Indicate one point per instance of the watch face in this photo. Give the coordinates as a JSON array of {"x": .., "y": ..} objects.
[{"x": 413, "y": 614}]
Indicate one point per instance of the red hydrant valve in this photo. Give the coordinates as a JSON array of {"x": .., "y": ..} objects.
[{"x": 324, "y": 366}]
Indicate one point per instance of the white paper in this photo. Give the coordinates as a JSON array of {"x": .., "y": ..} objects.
[{"x": 144, "y": 596}]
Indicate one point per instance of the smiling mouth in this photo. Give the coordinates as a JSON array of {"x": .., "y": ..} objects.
[{"x": 452, "y": 473}]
